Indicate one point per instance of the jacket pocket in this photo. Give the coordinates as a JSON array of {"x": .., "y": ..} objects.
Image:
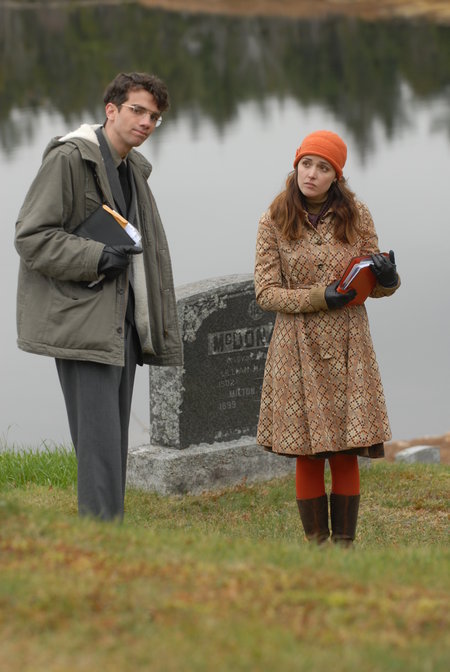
[{"x": 81, "y": 318}]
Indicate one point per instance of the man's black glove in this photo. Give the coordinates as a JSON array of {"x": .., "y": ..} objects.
[
  {"x": 335, "y": 299},
  {"x": 115, "y": 260},
  {"x": 385, "y": 269}
]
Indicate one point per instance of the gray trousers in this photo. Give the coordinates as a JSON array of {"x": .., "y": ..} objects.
[{"x": 98, "y": 401}]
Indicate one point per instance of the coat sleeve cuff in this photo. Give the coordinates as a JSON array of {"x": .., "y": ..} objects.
[{"x": 317, "y": 298}]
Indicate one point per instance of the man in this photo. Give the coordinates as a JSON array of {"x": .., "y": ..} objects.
[{"x": 98, "y": 309}]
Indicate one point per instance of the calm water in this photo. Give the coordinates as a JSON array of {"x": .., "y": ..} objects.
[{"x": 244, "y": 93}]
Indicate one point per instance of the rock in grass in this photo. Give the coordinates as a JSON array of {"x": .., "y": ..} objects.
[{"x": 423, "y": 454}]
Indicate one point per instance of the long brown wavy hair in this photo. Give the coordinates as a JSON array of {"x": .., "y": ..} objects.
[{"x": 289, "y": 214}]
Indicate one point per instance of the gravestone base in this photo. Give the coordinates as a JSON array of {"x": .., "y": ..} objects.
[{"x": 204, "y": 467}]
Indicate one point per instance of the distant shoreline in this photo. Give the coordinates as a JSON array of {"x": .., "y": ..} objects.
[
  {"x": 437, "y": 11},
  {"x": 434, "y": 10}
]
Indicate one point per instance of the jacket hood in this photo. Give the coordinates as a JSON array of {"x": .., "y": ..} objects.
[
  {"x": 85, "y": 139},
  {"x": 83, "y": 132}
]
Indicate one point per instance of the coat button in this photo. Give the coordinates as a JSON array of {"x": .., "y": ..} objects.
[
  {"x": 319, "y": 242},
  {"x": 120, "y": 290},
  {"x": 320, "y": 266},
  {"x": 119, "y": 330}
]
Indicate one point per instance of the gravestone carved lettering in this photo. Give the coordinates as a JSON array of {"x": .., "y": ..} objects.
[{"x": 215, "y": 396}]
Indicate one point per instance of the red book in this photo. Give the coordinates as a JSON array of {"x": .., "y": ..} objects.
[{"x": 358, "y": 276}]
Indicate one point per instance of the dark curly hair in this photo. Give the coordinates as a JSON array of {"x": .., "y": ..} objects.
[{"x": 117, "y": 91}]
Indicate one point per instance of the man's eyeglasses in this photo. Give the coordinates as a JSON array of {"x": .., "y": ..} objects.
[{"x": 140, "y": 111}]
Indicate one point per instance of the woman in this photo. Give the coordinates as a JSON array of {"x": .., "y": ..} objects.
[{"x": 322, "y": 396}]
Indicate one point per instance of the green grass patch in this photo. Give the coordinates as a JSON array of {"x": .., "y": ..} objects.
[
  {"x": 223, "y": 581},
  {"x": 45, "y": 466}
]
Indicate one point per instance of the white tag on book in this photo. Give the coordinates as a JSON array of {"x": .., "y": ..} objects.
[{"x": 133, "y": 233}]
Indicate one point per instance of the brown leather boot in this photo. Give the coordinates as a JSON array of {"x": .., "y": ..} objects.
[
  {"x": 314, "y": 517},
  {"x": 344, "y": 516}
]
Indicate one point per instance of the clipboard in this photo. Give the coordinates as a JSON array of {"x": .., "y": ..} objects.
[
  {"x": 358, "y": 276},
  {"x": 107, "y": 226}
]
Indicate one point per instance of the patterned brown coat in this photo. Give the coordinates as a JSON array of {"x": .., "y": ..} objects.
[{"x": 322, "y": 390}]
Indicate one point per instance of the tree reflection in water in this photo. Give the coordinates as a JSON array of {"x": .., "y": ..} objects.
[
  {"x": 384, "y": 85},
  {"x": 61, "y": 57}
]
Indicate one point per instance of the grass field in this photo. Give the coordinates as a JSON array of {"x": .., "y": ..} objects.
[{"x": 221, "y": 581}]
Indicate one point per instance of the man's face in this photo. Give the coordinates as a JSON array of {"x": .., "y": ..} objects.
[{"x": 130, "y": 124}]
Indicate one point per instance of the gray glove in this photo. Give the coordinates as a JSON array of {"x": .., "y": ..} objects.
[
  {"x": 335, "y": 299},
  {"x": 115, "y": 260},
  {"x": 385, "y": 269}
]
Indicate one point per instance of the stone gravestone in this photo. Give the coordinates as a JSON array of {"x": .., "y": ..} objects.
[
  {"x": 225, "y": 340},
  {"x": 204, "y": 414}
]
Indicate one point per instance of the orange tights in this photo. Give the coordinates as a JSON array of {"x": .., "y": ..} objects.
[{"x": 310, "y": 475}]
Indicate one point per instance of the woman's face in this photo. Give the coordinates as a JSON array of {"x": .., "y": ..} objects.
[{"x": 314, "y": 176}]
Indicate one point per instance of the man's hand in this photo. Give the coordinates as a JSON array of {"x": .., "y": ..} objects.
[{"x": 115, "y": 260}]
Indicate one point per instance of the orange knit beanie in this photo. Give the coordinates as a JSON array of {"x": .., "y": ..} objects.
[{"x": 326, "y": 144}]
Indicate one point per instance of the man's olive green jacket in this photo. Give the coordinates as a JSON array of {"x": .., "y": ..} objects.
[{"x": 57, "y": 313}]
